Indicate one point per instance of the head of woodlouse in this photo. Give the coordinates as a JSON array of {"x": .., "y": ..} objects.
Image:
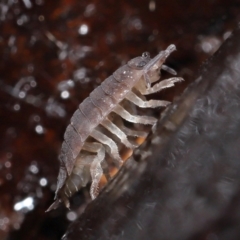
[{"x": 139, "y": 62}]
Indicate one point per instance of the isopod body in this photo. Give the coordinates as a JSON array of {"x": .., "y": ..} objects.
[{"x": 82, "y": 156}]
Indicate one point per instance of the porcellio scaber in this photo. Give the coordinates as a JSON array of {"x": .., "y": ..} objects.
[{"x": 82, "y": 157}]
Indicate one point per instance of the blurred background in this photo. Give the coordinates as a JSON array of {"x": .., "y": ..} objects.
[{"x": 53, "y": 54}]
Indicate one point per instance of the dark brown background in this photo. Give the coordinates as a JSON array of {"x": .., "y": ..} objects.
[{"x": 41, "y": 49}]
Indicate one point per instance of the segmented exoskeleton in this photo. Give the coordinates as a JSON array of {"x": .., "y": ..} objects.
[{"x": 82, "y": 157}]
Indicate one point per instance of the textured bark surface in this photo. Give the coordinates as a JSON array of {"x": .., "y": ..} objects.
[{"x": 188, "y": 186}]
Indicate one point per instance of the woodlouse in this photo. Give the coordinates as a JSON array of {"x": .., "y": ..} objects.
[{"x": 83, "y": 150}]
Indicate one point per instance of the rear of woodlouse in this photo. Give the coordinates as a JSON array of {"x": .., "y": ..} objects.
[{"x": 83, "y": 153}]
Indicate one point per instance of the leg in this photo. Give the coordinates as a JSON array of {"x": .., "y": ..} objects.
[
  {"x": 132, "y": 97},
  {"x": 159, "y": 86},
  {"x": 95, "y": 168},
  {"x": 106, "y": 172},
  {"x": 128, "y": 131},
  {"x": 94, "y": 147},
  {"x": 168, "y": 69},
  {"x": 110, "y": 143},
  {"x": 134, "y": 119},
  {"x": 111, "y": 127},
  {"x": 134, "y": 133}
]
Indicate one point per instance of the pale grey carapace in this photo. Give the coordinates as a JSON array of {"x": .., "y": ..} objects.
[{"x": 82, "y": 157}]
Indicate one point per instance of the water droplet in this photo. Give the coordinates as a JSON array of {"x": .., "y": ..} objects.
[
  {"x": 80, "y": 73},
  {"x": 65, "y": 94},
  {"x": 16, "y": 107},
  {"x": 70, "y": 82},
  {"x": 9, "y": 155},
  {"x": 30, "y": 68},
  {"x": 41, "y": 18},
  {"x": 8, "y": 164},
  {"x": 227, "y": 35},
  {"x": 16, "y": 226},
  {"x": 63, "y": 54},
  {"x": 83, "y": 29},
  {"x": 90, "y": 9},
  {"x": 26, "y": 203},
  {"x": 34, "y": 169},
  {"x": 39, "y": 2},
  {"x": 22, "y": 94},
  {"x": 22, "y": 19},
  {"x": 43, "y": 182},
  {"x": 36, "y": 118},
  {"x": 33, "y": 83},
  {"x": 27, "y": 3},
  {"x": 152, "y": 5},
  {"x": 39, "y": 129},
  {"x": 26, "y": 87},
  {"x": 9, "y": 176},
  {"x": 71, "y": 216},
  {"x": 11, "y": 41}
]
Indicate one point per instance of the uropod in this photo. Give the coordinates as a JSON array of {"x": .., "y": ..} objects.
[{"x": 85, "y": 145}]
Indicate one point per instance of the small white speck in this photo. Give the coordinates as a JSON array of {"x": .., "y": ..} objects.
[
  {"x": 41, "y": 18},
  {"x": 65, "y": 94},
  {"x": 22, "y": 94},
  {"x": 71, "y": 216},
  {"x": 4, "y": 227},
  {"x": 152, "y": 5},
  {"x": 63, "y": 54},
  {"x": 9, "y": 176},
  {"x": 36, "y": 118},
  {"x": 16, "y": 107},
  {"x": 137, "y": 24},
  {"x": 70, "y": 82},
  {"x": 4, "y": 220},
  {"x": 30, "y": 68},
  {"x": 11, "y": 41},
  {"x": 80, "y": 73},
  {"x": 33, "y": 83},
  {"x": 43, "y": 182},
  {"x": 27, "y": 3},
  {"x": 26, "y": 203},
  {"x": 39, "y": 129},
  {"x": 210, "y": 44},
  {"x": 16, "y": 226},
  {"x": 26, "y": 87},
  {"x": 83, "y": 29},
  {"x": 206, "y": 47},
  {"x": 39, "y": 2},
  {"x": 90, "y": 9},
  {"x": 22, "y": 19},
  {"x": 34, "y": 169},
  {"x": 227, "y": 35},
  {"x": 8, "y": 164}
]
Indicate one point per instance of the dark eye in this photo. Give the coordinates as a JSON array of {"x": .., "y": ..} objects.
[
  {"x": 141, "y": 64},
  {"x": 146, "y": 55}
]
